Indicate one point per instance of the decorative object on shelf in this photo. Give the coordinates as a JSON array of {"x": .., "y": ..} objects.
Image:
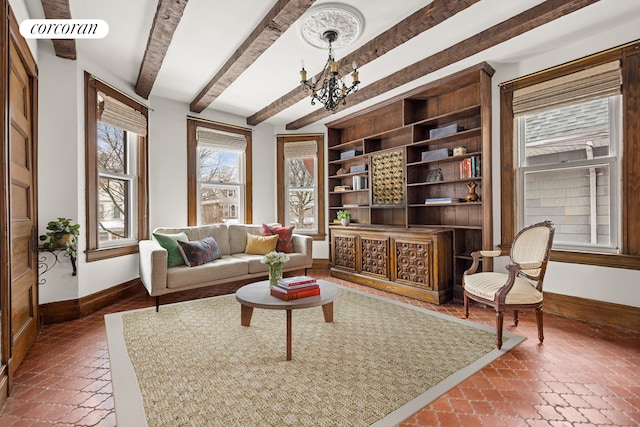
[
  {"x": 341, "y": 171},
  {"x": 459, "y": 150},
  {"x": 358, "y": 168},
  {"x": 472, "y": 196},
  {"x": 441, "y": 153},
  {"x": 349, "y": 154},
  {"x": 344, "y": 217},
  {"x": 444, "y": 131},
  {"x": 275, "y": 261},
  {"x": 338, "y": 188},
  {"x": 435, "y": 175},
  {"x": 62, "y": 234},
  {"x": 360, "y": 182},
  {"x": 387, "y": 178},
  {"x": 338, "y": 26}
]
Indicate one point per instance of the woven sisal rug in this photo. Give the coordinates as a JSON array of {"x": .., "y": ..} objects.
[{"x": 193, "y": 364}]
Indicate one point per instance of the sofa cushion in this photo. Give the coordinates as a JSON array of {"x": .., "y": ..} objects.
[
  {"x": 170, "y": 243},
  {"x": 260, "y": 245},
  {"x": 238, "y": 236},
  {"x": 285, "y": 237},
  {"x": 199, "y": 252},
  {"x": 224, "y": 268}
]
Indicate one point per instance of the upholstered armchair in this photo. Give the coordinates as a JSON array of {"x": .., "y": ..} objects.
[{"x": 521, "y": 287}]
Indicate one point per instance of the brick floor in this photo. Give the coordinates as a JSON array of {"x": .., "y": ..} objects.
[{"x": 583, "y": 374}]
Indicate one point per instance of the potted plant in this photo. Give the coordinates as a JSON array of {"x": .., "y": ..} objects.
[
  {"x": 62, "y": 234},
  {"x": 344, "y": 217}
]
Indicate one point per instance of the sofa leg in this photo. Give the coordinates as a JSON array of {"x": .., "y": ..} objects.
[{"x": 157, "y": 303}]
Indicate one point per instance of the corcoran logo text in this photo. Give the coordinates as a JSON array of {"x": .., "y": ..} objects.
[{"x": 64, "y": 28}]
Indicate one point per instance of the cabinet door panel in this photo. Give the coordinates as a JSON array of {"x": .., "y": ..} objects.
[
  {"x": 413, "y": 262},
  {"x": 344, "y": 252},
  {"x": 374, "y": 254}
]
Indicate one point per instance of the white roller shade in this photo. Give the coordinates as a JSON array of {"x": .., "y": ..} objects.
[
  {"x": 596, "y": 82},
  {"x": 225, "y": 141},
  {"x": 117, "y": 114},
  {"x": 300, "y": 149}
]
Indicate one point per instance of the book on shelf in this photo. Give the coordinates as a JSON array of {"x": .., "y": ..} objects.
[
  {"x": 470, "y": 167},
  {"x": 350, "y": 205},
  {"x": 290, "y": 282},
  {"x": 441, "y": 200},
  {"x": 278, "y": 292}
]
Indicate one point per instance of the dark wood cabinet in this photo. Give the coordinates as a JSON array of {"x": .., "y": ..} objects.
[
  {"x": 410, "y": 163},
  {"x": 406, "y": 262}
]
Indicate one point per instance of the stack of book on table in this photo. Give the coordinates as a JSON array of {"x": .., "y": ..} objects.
[{"x": 290, "y": 288}]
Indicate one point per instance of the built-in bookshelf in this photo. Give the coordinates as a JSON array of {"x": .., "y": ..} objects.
[{"x": 421, "y": 160}]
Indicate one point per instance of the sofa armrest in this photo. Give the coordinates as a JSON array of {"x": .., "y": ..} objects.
[
  {"x": 303, "y": 244},
  {"x": 153, "y": 266}
]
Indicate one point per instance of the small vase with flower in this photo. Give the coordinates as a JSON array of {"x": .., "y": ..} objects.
[{"x": 275, "y": 261}]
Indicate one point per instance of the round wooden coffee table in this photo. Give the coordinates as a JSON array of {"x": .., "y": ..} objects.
[{"x": 257, "y": 295}]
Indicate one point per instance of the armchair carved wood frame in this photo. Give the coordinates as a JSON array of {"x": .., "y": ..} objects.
[{"x": 521, "y": 287}]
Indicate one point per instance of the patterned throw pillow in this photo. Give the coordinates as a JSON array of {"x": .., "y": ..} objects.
[
  {"x": 285, "y": 237},
  {"x": 170, "y": 243},
  {"x": 200, "y": 252},
  {"x": 260, "y": 245}
]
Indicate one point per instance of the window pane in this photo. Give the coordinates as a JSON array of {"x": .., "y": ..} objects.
[
  {"x": 219, "y": 166},
  {"x": 566, "y": 134},
  {"x": 113, "y": 208},
  {"x": 580, "y": 207},
  {"x": 219, "y": 204},
  {"x": 301, "y": 211},
  {"x": 111, "y": 149}
]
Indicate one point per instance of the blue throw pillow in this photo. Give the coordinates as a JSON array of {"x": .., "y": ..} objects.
[{"x": 199, "y": 252}]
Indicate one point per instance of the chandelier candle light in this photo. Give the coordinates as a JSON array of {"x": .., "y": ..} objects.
[{"x": 330, "y": 89}]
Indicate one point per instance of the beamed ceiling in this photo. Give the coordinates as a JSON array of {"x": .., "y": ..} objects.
[{"x": 243, "y": 56}]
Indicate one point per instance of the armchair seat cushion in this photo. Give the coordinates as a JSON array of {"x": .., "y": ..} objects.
[{"x": 485, "y": 285}]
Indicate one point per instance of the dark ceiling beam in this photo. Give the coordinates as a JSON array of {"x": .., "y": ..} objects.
[
  {"x": 532, "y": 18},
  {"x": 168, "y": 16},
  {"x": 59, "y": 9},
  {"x": 427, "y": 17},
  {"x": 272, "y": 26}
]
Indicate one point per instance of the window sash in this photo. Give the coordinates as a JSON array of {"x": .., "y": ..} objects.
[
  {"x": 608, "y": 163},
  {"x": 238, "y": 194},
  {"x": 128, "y": 219},
  {"x": 289, "y": 191},
  {"x": 241, "y": 165}
]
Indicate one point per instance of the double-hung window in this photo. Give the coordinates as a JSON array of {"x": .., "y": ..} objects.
[
  {"x": 218, "y": 174},
  {"x": 569, "y": 152},
  {"x": 116, "y": 164},
  {"x": 300, "y": 183},
  {"x": 568, "y": 132}
]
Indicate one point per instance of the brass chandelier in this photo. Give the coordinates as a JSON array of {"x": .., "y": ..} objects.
[{"x": 330, "y": 89}]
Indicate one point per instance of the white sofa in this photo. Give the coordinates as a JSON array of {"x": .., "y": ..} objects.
[{"x": 234, "y": 265}]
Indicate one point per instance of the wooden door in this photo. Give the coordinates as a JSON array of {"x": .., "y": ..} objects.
[{"x": 23, "y": 288}]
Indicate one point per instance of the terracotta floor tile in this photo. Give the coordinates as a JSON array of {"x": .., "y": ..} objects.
[{"x": 583, "y": 374}]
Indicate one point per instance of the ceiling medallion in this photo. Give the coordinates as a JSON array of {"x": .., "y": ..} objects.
[
  {"x": 342, "y": 19},
  {"x": 329, "y": 26}
]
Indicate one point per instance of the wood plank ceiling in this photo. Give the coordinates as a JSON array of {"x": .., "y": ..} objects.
[{"x": 286, "y": 12}]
